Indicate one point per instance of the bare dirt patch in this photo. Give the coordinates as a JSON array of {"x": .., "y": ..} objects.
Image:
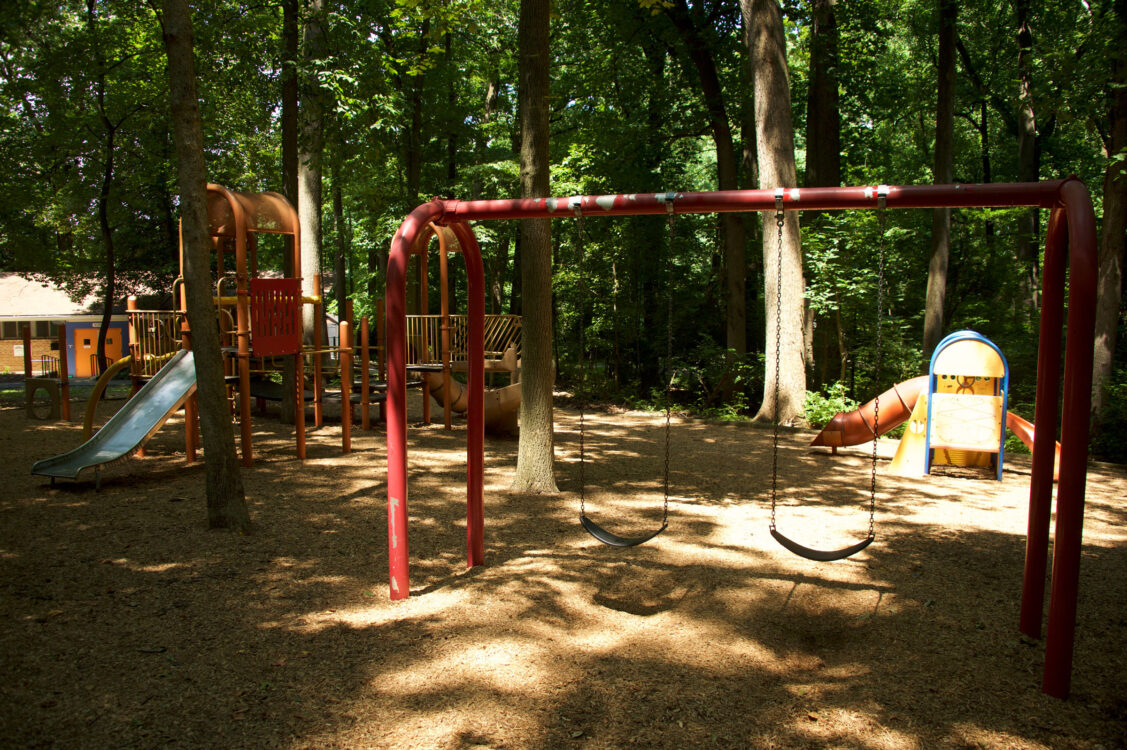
[{"x": 126, "y": 623}]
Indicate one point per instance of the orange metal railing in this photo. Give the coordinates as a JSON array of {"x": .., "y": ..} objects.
[
  {"x": 424, "y": 337},
  {"x": 156, "y": 336}
]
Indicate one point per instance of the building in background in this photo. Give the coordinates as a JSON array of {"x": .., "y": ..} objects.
[{"x": 41, "y": 306}]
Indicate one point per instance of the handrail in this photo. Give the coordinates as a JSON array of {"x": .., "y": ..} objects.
[
  {"x": 502, "y": 332},
  {"x": 157, "y": 339}
]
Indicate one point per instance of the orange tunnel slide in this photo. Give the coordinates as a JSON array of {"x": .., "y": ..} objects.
[{"x": 856, "y": 427}]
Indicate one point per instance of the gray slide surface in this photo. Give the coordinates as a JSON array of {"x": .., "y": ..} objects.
[{"x": 133, "y": 424}]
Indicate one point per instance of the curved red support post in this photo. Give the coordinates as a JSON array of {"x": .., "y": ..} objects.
[
  {"x": 1083, "y": 265},
  {"x": 396, "y": 321},
  {"x": 396, "y": 312},
  {"x": 1045, "y": 417},
  {"x": 475, "y": 424}
]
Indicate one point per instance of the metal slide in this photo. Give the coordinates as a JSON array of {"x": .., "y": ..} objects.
[{"x": 133, "y": 424}]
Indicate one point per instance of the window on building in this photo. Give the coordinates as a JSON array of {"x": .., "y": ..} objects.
[
  {"x": 10, "y": 329},
  {"x": 42, "y": 329}
]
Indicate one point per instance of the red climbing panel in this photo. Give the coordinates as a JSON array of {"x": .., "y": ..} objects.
[{"x": 275, "y": 316}]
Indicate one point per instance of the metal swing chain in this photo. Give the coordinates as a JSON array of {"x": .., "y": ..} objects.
[
  {"x": 882, "y": 220},
  {"x": 671, "y": 221},
  {"x": 583, "y": 295},
  {"x": 780, "y": 220}
]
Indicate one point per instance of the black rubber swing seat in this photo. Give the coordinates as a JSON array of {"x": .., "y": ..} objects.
[
  {"x": 614, "y": 540},
  {"x": 819, "y": 555}
]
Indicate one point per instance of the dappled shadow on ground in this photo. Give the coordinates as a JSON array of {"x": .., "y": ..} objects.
[{"x": 126, "y": 623}]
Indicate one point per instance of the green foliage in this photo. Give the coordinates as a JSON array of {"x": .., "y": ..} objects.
[
  {"x": 437, "y": 81},
  {"x": 1109, "y": 432},
  {"x": 726, "y": 386},
  {"x": 824, "y": 405}
]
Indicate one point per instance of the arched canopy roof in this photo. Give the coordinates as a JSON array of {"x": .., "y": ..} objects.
[{"x": 265, "y": 212}]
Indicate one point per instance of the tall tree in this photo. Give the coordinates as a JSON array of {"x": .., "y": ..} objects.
[
  {"x": 289, "y": 128},
  {"x": 823, "y": 166},
  {"x": 110, "y": 129},
  {"x": 310, "y": 147},
  {"x": 943, "y": 171},
  {"x": 823, "y": 111},
  {"x": 340, "y": 230},
  {"x": 774, "y": 135},
  {"x": 1113, "y": 240},
  {"x": 86, "y": 151},
  {"x": 535, "y": 459},
  {"x": 1028, "y": 165},
  {"x": 732, "y": 237},
  {"x": 226, "y": 501}
]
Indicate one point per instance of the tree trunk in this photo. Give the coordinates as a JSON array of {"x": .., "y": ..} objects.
[
  {"x": 497, "y": 270},
  {"x": 1113, "y": 240},
  {"x": 774, "y": 127},
  {"x": 727, "y": 176},
  {"x": 1027, "y": 246},
  {"x": 823, "y": 161},
  {"x": 413, "y": 148},
  {"x": 340, "y": 262},
  {"x": 309, "y": 167},
  {"x": 288, "y": 405},
  {"x": 451, "y": 122},
  {"x": 535, "y": 460},
  {"x": 823, "y": 113},
  {"x": 109, "y": 292},
  {"x": 109, "y": 287},
  {"x": 226, "y": 503},
  {"x": 943, "y": 175}
]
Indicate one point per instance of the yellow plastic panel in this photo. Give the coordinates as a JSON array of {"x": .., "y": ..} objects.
[
  {"x": 909, "y": 458},
  {"x": 966, "y": 422},
  {"x": 969, "y": 358}
]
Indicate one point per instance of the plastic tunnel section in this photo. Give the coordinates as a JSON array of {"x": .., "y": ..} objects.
[
  {"x": 132, "y": 425},
  {"x": 502, "y": 405},
  {"x": 856, "y": 427}
]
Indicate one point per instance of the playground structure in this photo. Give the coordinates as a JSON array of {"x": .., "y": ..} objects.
[
  {"x": 955, "y": 414},
  {"x": 131, "y": 426},
  {"x": 437, "y": 344},
  {"x": 1070, "y": 241},
  {"x": 259, "y": 324},
  {"x": 46, "y": 392}
]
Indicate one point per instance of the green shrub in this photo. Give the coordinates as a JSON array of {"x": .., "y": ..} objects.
[
  {"x": 823, "y": 406},
  {"x": 1109, "y": 431}
]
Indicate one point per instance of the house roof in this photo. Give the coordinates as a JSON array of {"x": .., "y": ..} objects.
[
  {"x": 22, "y": 297},
  {"x": 28, "y": 297}
]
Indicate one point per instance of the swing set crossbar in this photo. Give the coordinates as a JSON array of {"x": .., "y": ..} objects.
[
  {"x": 1070, "y": 249},
  {"x": 994, "y": 195}
]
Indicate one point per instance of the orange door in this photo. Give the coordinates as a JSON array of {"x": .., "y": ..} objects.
[{"x": 86, "y": 350}]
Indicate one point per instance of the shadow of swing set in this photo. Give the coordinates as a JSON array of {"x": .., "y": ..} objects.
[{"x": 1070, "y": 243}]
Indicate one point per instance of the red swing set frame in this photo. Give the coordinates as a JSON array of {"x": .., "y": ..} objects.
[{"x": 1070, "y": 242}]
